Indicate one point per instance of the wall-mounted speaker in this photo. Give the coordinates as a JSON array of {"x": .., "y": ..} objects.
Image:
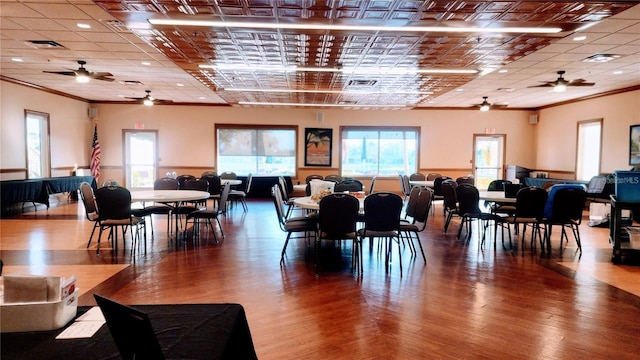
[
  {"x": 93, "y": 112},
  {"x": 319, "y": 117},
  {"x": 533, "y": 119}
]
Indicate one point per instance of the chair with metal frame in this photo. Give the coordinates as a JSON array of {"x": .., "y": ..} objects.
[
  {"x": 90, "y": 207},
  {"x": 469, "y": 209},
  {"x": 302, "y": 224},
  {"x": 567, "y": 206},
  {"x": 419, "y": 219},
  {"x": 417, "y": 177},
  {"x": 114, "y": 207},
  {"x": 337, "y": 218},
  {"x": 207, "y": 215},
  {"x": 529, "y": 211},
  {"x": 241, "y": 195}
]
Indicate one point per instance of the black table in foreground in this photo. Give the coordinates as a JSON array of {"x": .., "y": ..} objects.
[{"x": 194, "y": 331}]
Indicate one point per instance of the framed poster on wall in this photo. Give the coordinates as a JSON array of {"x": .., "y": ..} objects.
[
  {"x": 317, "y": 146},
  {"x": 634, "y": 145}
]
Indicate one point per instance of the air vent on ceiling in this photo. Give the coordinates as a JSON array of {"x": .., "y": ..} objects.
[
  {"x": 361, "y": 82},
  {"x": 44, "y": 44},
  {"x": 115, "y": 26},
  {"x": 601, "y": 58},
  {"x": 131, "y": 82}
]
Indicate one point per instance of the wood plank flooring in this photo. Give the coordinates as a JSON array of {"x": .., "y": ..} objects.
[{"x": 467, "y": 302}]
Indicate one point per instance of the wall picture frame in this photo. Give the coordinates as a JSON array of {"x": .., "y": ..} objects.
[
  {"x": 634, "y": 145},
  {"x": 317, "y": 146}
]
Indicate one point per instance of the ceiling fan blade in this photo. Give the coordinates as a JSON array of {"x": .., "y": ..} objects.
[
  {"x": 580, "y": 82},
  {"x": 68, "y": 73},
  {"x": 542, "y": 85}
]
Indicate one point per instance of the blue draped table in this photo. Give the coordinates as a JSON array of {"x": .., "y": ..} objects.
[{"x": 38, "y": 190}]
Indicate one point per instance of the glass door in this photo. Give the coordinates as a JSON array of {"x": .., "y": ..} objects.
[
  {"x": 141, "y": 164},
  {"x": 488, "y": 158}
]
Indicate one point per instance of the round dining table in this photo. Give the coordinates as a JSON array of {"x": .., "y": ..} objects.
[
  {"x": 231, "y": 182},
  {"x": 426, "y": 183},
  {"x": 496, "y": 196},
  {"x": 306, "y": 202},
  {"x": 168, "y": 196}
]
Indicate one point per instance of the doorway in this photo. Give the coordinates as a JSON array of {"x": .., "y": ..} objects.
[
  {"x": 38, "y": 149},
  {"x": 589, "y": 145},
  {"x": 141, "y": 160},
  {"x": 488, "y": 158}
]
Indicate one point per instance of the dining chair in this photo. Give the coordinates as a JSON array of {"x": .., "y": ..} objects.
[
  {"x": 114, "y": 207},
  {"x": 208, "y": 173},
  {"x": 351, "y": 185},
  {"x": 419, "y": 218},
  {"x": 214, "y": 187},
  {"x": 437, "y": 187},
  {"x": 450, "y": 202},
  {"x": 406, "y": 186},
  {"x": 182, "y": 180},
  {"x": 567, "y": 206},
  {"x": 241, "y": 195},
  {"x": 90, "y": 207},
  {"x": 417, "y": 177},
  {"x": 334, "y": 177},
  {"x": 403, "y": 186},
  {"x": 165, "y": 183},
  {"x": 469, "y": 210},
  {"x": 207, "y": 215},
  {"x": 186, "y": 207},
  {"x": 468, "y": 179},
  {"x": 410, "y": 208},
  {"x": 529, "y": 211},
  {"x": 292, "y": 225},
  {"x": 337, "y": 218},
  {"x": 284, "y": 192},
  {"x": 382, "y": 220},
  {"x": 372, "y": 186},
  {"x": 432, "y": 176},
  {"x": 228, "y": 175},
  {"x": 313, "y": 177},
  {"x": 496, "y": 185}
]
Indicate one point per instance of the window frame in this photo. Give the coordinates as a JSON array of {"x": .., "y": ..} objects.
[
  {"x": 293, "y": 128},
  {"x": 379, "y": 129}
]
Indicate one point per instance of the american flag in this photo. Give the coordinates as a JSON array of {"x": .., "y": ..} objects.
[{"x": 95, "y": 155}]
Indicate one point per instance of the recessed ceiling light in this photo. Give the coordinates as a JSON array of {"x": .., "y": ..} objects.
[
  {"x": 339, "y": 27},
  {"x": 601, "y": 58},
  {"x": 179, "y": 84},
  {"x": 503, "y": 71},
  {"x": 145, "y": 63},
  {"x": 202, "y": 97},
  {"x": 460, "y": 89},
  {"x": 618, "y": 72},
  {"x": 579, "y": 38},
  {"x": 83, "y": 26},
  {"x": 16, "y": 59}
]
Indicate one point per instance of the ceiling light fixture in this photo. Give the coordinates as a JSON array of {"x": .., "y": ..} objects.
[
  {"x": 485, "y": 106},
  {"x": 356, "y": 71},
  {"x": 83, "y": 26},
  {"x": 148, "y": 102},
  {"x": 335, "y": 27},
  {"x": 257, "y": 103}
]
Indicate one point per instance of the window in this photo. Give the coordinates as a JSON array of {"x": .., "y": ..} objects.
[
  {"x": 589, "y": 143},
  {"x": 369, "y": 151},
  {"x": 37, "y": 130},
  {"x": 257, "y": 150}
]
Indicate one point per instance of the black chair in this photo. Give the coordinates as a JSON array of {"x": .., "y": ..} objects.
[
  {"x": 419, "y": 218},
  {"x": 303, "y": 224},
  {"x": 406, "y": 186},
  {"x": 465, "y": 180},
  {"x": 313, "y": 177},
  {"x": 284, "y": 192},
  {"x": 529, "y": 211},
  {"x": 382, "y": 220},
  {"x": 469, "y": 209},
  {"x": 417, "y": 176},
  {"x": 228, "y": 175},
  {"x": 214, "y": 188},
  {"x": 350, "y": 185},
  {"x": 437, "y": 187},
  {"x": 500, "y": 185},
  {"x": 335, "y": 178},
  {"x": 187, "y": 207},
  {"x": 182, "y": 179},
  {"x": 90, "y": 207},
  {"x": 568, "y": 204},
  {"x": 165, "y": 183},
  {"x": 373, "y": 185},
  {"x": 412, "y": 203},
  {"x": 114, "y": 207},
  {"x": 432, "y": 176},
  {"x": 207, "y": 215},
  {"x": 241, "y": 195},
  {"x": 450, "y": 202},
  {"x": 337, "y": 218}
]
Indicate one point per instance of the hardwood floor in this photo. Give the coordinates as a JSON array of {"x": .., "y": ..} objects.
[{"x": 466, "y": 302}]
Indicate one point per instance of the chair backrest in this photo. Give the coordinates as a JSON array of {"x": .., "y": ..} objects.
[
  {"x": 468, "y": 199},
  {"x": 423, "y": 205},
  {"x": 410, "y": 209},
  {"x": 166, "y": 183},
  {"x": 196, "y": 184},
  {"x": 182, "y": 179},
  {"x": 215, "y": 187},
  {"x": 113, "y": 202},
  {"x": 209, "y": 173},
  {"x": 465, "y": 180},
  {"x": 530, "y": 202},
  {"x": 407, "y": 185},
  {"x": 596, "y": 184},
  {"x": 313, "y": 177},
  {"x": 224, "y": 196},
  {"x": 437, "y": 185},
  {"x": 248, "y": 183},
  {"x": 403, "y": 189},
  {"x": 382, "y": 211},
  {"x": 283, "y": 188},
  {"x": 497, "y": 185},
  {"x": 449, "y": 194},
  {"x": 349, "y": 185},
  {"x": 90, "y": 207},
  {"x": 548, "y": 207},
  {"x": 373, "y": 185},
  {"x": 511, "y": 190},
  {"x": 336, "y": 178},
  {"x": 568, "y": 204},
  {"x": 417, "y": 176},
  {"x": 276, "y": 194},
  {"x": 338, "y": 214},
  {"x": 228, "y": 175},
  {"x": 432, "y": 176}
]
